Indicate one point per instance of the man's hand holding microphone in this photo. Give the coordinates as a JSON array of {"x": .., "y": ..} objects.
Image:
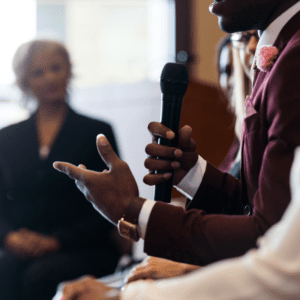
[{"x": 180, "y": 159}]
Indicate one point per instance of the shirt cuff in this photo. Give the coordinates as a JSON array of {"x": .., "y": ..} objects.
[
  {"x": 187, "y": 186},
  {"x": 144, "y": 216},
  {"x": 190, "y": 183}
]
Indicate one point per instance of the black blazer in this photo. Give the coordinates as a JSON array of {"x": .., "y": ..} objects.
[{"x": 36, "y": 196}]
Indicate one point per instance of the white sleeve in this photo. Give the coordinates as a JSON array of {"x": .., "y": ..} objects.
[
  {"x": 190, "y": 183},
  {"x": 144, "y": 216},
  {"x": 271, "y": 272}
]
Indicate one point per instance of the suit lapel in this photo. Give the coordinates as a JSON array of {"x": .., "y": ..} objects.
[{"x": 287, "y": 32}]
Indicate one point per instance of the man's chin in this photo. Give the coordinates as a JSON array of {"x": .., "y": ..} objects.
[
  {"x": 227, "y": 27},
  {"x": 231, "y": 26}
]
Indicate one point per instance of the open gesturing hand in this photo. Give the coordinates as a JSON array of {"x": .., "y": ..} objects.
[
  {"x": 110, "y": 191},
  {"x": 180, "y": 159}
]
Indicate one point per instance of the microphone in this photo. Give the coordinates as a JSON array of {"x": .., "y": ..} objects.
[{"x": 174, "y": 81}]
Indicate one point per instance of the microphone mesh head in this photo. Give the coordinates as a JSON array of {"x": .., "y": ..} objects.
[{"x": 174, "y": 79}]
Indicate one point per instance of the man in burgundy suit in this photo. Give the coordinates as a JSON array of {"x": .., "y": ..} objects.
[{"x": 226, "y": 216}]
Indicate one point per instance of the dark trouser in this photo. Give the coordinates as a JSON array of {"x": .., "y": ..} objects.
[{"x": 39, "y": 278}]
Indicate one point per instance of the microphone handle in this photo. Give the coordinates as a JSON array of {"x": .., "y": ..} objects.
[{"x": 170, "y": 117}]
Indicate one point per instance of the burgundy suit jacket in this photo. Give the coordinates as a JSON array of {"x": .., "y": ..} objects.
[{"x": 213, "y": 226}]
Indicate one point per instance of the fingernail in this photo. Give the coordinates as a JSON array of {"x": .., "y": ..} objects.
[
  {"x": 170, "y": 135},
  {"x": 55, "y": 166},
  {"x": 167, "y": 175},
  {"x": 178, "y": 153},
  {"x": 102, "y": 139},
  {"x": 175, "y": 164}
]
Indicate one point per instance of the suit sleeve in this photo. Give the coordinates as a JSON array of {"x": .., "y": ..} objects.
[
  {"x": 270, "y": 272},
  {"x": 198, "y": 237},
  {"x": 194, "y": 236}
]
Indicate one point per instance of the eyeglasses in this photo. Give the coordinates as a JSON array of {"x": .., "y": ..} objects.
[{"x": 240, "y": 40}]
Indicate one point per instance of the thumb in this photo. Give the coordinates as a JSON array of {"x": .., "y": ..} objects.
[
  {"x": 185, "y": 141},
  {"x": 106, "y": 151}
]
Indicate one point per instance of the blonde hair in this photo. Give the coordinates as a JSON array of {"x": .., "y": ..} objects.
[{"x": 23, "y": 59}]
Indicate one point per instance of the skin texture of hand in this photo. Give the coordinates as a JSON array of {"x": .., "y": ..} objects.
[
  {"x": 157, "y": 268},
  {"x": 88, "y": 288},
  {"x": 25, "y": 243},
  {"x": 47, "y": 244},
  {"x": 181, "y": 159},
  {"x": 110, "y": 191}
]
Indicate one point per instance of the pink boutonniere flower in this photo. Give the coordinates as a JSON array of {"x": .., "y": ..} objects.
[{"x": 266, "y": 57}]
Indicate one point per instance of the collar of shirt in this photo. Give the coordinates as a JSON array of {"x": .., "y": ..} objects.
[{"x": 269, "y": 36}]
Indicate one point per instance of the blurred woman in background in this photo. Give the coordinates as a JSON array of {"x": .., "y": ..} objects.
[{"x": 48, "y": 232}]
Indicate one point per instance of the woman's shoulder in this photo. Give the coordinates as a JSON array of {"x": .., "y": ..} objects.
[{"x": 14, "y": 130}]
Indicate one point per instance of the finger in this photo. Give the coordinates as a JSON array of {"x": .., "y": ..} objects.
[
  {"x": 80, "y": 186},
  {"x": 106, "y": 151},
  {"x": 69, "y": 169},
  {"x": 72, "y": 291},
  {"x": 82, "y": 166},
  {"x": 85, "y": 278},
  {"x": 160, "y": 164},
  {"x": 31, "y": 244},
  {"x": 38, "y": 250},
  {"x": 28, "y": 247},
  {"x": 185, "y": 141},
  {"x": 146, "y": 260},
  {"x": 159, "y": 130},
  {"x": 154, "y": 179},
  {"x": 156, "y": 150},
  {"x": 141, "y": 274}
]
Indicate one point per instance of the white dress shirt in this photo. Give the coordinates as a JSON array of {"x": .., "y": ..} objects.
[
  {"x": 271, "y": 272},
  {"x": 191, "y": 182}
]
